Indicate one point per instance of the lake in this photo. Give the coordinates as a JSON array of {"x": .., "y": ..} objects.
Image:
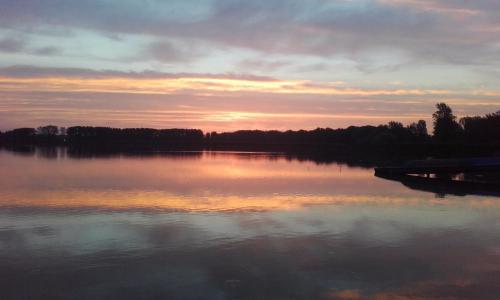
[{"x": 233, "y": 225}]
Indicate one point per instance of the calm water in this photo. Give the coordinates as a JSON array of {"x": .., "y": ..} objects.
[{"x": 235, "y": 226}]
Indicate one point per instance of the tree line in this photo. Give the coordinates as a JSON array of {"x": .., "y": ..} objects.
[
  {"x": 447, "y": 130},
  {"x": 100, "y": 135}
]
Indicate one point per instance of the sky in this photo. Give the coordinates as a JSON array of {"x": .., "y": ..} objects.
[{"x": 238, "y": 64}]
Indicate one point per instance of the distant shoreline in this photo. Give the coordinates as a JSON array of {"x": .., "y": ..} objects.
[{"x": 470, "y": 136}]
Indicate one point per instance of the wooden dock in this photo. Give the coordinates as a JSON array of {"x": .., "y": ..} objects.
[
  {"x": 440, "y": 186},
  {"x": 443, "y": 166}
]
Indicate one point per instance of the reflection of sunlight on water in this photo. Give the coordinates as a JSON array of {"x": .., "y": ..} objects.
[
  {"x": 212, "y": 181},
  {"x": 164, "y": 201},
  {"x": 236, "y": 225}
]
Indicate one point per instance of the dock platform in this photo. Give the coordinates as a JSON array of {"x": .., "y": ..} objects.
[{"x": 443, "y": 166}]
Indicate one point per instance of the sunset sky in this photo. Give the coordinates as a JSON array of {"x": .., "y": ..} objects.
[{"x": 250, "y": 64}]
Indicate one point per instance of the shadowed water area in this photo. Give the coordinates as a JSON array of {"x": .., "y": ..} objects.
[{"x": 232, "y": 225}]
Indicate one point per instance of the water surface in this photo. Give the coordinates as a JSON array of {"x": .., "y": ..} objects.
[{"x": 214, "y": 225}]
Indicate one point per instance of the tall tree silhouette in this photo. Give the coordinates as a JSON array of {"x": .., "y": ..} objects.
[{"x": 446, "y": 128}]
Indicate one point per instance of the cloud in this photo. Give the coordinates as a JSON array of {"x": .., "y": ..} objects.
[
  {"x": 263, "y": 65},
  {"x": 215, "y": 50},
  {"x": 158, "y": 83},
  {"x": 21, "y": 46},
  {"x": 24, "y": 71},
  {"x": 48, "y": 51},
  {"x": 11, "y": 45},
  {"x": 32, "y": 95},
  {"x": 172, "y": 52},
  {"x": 456, "y": 8},
  {"x": 166, "y": 52},
  {"x": 317, "y": 27}
]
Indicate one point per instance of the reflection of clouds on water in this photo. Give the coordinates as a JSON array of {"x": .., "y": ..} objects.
[
  {"x": 477, "y": 288},
  {"x": 176, "y": 254},
  {"x": 374, "y": 224},
  {"x": 213, "y": 174},
  {"x": 153, "y": 232}
]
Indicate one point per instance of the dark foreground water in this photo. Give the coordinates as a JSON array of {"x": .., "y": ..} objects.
[{"x": 235, "y": 226}]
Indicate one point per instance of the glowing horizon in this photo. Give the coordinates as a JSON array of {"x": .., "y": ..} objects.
[{"x": 228, "y": 65}]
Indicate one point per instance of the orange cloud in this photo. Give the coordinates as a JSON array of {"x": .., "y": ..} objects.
[{"x": 197, "y": 86}]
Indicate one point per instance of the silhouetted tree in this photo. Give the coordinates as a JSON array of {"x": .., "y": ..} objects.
[
  {"x": 49, "y": 130},
  {"x": 19, "y": 135},
  {"x": 393, "y": 136},
  {"x": 419, "y": 129},
  {"x": 482, "y": 129},
  {"x": 400, "y": 133},
  {"x": 395, "y": 126},
  {"x": 446, "y": 128},
  {"x": 62, "y": 130},
  {"x": 133, "y": 136}
]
